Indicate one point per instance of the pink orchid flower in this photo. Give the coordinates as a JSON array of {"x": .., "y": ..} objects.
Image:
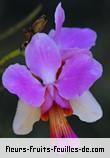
[{"x": 56, "y": 80}]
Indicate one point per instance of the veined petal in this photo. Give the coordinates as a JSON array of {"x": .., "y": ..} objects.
[
  {"x": 59, "y": 126},
  {"x": 19, "y": 80},
  {"x": 74, "y": 37},
  {"x": 59, "y": 17},
  {"x": 78, "y": 75},
  {"x": 25, "y": 117},
  {"x": 43, "y": 57},
  {"x": 86, "y": 107}
]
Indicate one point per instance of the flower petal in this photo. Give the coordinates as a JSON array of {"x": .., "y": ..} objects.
[
  {"x": 69, "y": 53},
  {"x": 86, "y": 107},
  {"x": 47, "y": 103},
  {"x": 78, "y": 75},
  {"x": 18, "y": 80},
  {"x": 43, "y": 57},
  {"x": 25, "y": 117},
  {"x": 74, "y": 37},
  {"x": 59, "y": 17},
  {"x": 63, "y": 103}
]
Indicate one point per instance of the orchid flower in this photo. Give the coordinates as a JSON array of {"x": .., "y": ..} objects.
[
  {"x": 54, "y": 86},
  {"x": 51, "y": 90}
]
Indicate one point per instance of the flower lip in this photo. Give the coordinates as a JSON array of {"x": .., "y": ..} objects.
[{"x": 59, "y": 127}]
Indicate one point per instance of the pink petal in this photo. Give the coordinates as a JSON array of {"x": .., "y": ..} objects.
[
  {"x": 43, "y": 57},
  {"x": 59, "y": 17},
  {"x": 69, "y": 53},
  {"x": 74, "y": 37},
  {"x": 18, "y": 80},
  {"x": 78, "y": 75},
  {"x": 47, "y": 104},
  {"x": 61, "y": 101}
]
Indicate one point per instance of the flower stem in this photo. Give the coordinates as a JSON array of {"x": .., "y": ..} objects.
[
  {"x": 10, "y": 56},
  {"x": 21, "y": 24}
]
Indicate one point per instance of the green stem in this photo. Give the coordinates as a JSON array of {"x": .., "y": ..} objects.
[
  {"x": 10, "y": 56},
  {"x": 21, "y": 24}
]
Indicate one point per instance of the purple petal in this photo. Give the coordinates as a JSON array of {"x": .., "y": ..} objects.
[
  {"x": 62, "y": 102},
  {"x": 18, "y": 80},
  {"x": 74, "y": 37},
  {"x": 78, "y": 75},
  {"x": 59, "y": 17},
  {"x": 70, "y": 53},
  {"x": 43, "y": 57},
  {"x": 47, "y": 104}
]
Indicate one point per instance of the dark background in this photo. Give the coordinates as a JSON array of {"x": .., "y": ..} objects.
[{"x": 87, "y": 13}]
